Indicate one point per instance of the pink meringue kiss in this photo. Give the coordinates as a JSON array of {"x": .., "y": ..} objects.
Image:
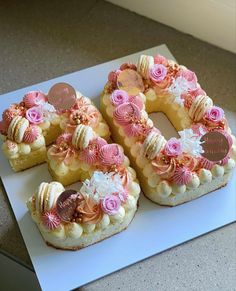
[
  {"x": 31, "y": 134},
  {"x": 133, "y": 129},
  {"x": 119, "y": 97},
  {"x": 181, "y": 176},
  {"x": 51, "y": 220},
  {"x": 205, "y": 163},
  {"x": 34, "y": 98},
  {"x": 137, "y": 101},
  {"x": 127, "y": 113},
  {"x": 90, "y": 154},
  {"x": 111, "y": 154}
]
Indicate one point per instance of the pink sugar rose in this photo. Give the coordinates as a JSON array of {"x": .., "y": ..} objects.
[
  {"x": 158, "y": 59},
  {"x": 173, "y": 147},
  {"x": 214, "y": 114},
  {"x": 34, "y": 115},
  {"x": 158, "y": 73},
  {"x": 119, "y": 97},
  {"x": 110, "y": 204}
]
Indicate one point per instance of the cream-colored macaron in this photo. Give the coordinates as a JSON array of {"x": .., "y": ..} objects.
[
  {"x": 144, "y": 65},
  {"x": 17, "y": 128},
  {"x": 153, "y": 144},
  {"x": 47, "y": 195},
  {"x": 82, "y": 135}
]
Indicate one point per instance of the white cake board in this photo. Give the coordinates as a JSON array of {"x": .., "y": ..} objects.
[{"x": 153, "y": 230}]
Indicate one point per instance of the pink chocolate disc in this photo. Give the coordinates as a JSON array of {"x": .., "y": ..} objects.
[
  {"x": 215, "y": 146},
  {"x": 130, "y": 81},
  {"x": 66, "y": 204},
  {"x": 62, "y": 96}
]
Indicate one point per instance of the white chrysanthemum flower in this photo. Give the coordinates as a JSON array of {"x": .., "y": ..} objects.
[
  {"x": 102, "y": 184},
  {"x": 191, "y": 142}
]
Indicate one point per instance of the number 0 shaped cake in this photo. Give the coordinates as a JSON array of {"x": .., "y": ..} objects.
[{"x": 179, "y": 169}]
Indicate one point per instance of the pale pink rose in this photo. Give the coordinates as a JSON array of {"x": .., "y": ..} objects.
[
  {"x": 214, "y": 114},
  {"x": 110, "y": 204},
  {"x": 119, "y": 97},
  {"x": 173, "y": 147},
  {"x": 158, "y": 73},
  {"x": 158, "y": 59},
  {"x": 34, "y": 115}
]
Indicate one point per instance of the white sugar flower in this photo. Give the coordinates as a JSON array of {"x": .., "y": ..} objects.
[
  {"x": 48, "y": 107},
  {"x": 101, "y": 185},
  {"x": 48, "y": 110},
  {"x": 177, "y": 88},
  {"x": 191, "y": 142}
]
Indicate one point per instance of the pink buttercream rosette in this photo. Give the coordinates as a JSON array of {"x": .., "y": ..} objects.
[
  {"x": 111, "y": 155},
  {"x": 127, "y": 113}
]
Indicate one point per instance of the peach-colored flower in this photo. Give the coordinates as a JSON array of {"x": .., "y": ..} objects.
[
  {"x": 164, "y": 166},
  {"x": 89, "y": 210}
]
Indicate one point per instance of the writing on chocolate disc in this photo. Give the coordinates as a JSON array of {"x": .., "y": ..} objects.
[
  {"x": 66, "y": 204},
  {"x": 215, "y": 146},
  {"x": 130, "y": 81},
  {"x": 62, "y": 96}
]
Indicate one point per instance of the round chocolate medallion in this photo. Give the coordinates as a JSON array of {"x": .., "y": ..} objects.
[
  {"x": 62, "y": 96},
  {"x": 66, "y": 204},
  {"x": 130, "y": 81},
  {"x": 215, "y": 146}
]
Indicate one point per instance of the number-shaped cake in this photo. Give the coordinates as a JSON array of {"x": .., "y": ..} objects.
[
  {"x": 179, "y": 169},
  {"x": 29, "y": 126}
]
